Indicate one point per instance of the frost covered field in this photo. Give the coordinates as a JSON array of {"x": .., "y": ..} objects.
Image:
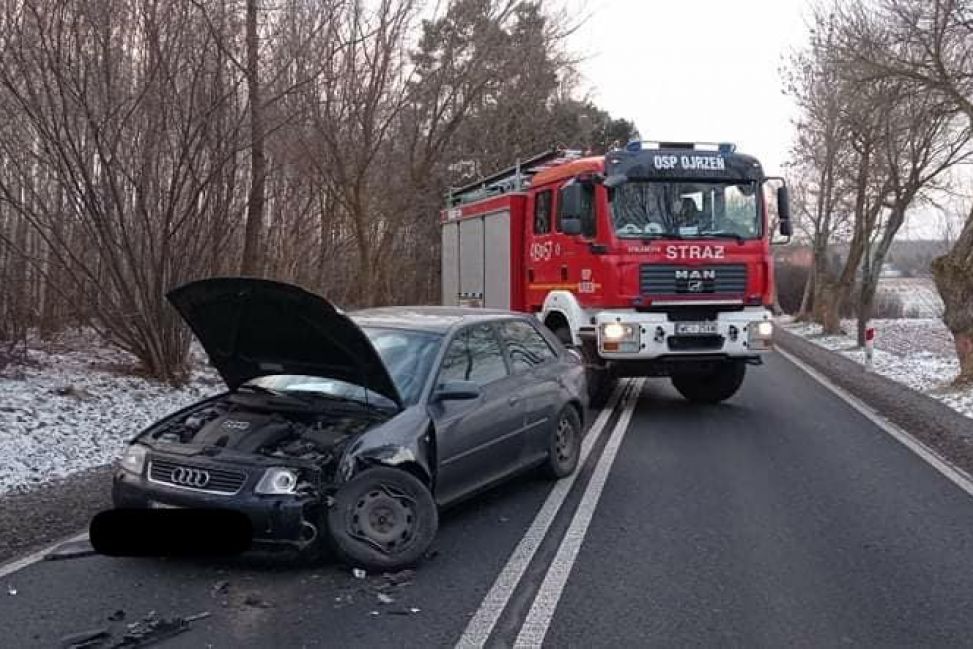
[
  {"x": 75, "y": 404},
  {"x": 917, "y": 352}
]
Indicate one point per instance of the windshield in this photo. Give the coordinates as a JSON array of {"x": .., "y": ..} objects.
[
  {"x": 650, "y": 209},
  {"x": 407, "y": 355}
]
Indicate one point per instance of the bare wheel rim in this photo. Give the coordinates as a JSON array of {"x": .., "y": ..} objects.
[
  {"x": 564, "y": 441},
  {"x": 384, "y": 517}
]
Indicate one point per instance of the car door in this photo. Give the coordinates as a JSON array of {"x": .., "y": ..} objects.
[
  {"x": 478, "y": 440},
  {"x": 533, "y": 360}
]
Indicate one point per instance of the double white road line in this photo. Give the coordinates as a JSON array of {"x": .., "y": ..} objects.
[{"x": 538, "y": 620}]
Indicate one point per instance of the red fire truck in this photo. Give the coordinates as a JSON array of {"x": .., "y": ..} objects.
[{"x": 651, "y": 260}]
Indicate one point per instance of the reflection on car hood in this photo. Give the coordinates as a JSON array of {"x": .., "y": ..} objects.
[{"x": 256, "y": 327}]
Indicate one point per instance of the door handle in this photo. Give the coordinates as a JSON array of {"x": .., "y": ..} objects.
[{"x": 513, "y": 400}]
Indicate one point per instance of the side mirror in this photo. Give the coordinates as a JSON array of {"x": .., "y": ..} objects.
[
  {"x": 570, "y": 199},
  {"x": 456, "y": 390},
  {"x": 784, "y": 211},
  {"x": 615, "y": 180},
  {"x": 570, "y": 225}
]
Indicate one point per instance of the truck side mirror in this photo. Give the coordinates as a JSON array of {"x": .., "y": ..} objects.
[
  {"x": 784, "y": 211},
  {"x": 570, "y": 202}
]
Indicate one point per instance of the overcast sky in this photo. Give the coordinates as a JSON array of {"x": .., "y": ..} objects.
[
  {"x": 706, "y": 70},
  {"x": 703, "y": 70}
]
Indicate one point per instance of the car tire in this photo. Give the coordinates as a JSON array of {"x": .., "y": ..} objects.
[
  {"x": 382, "y": 519},
  {"x": 564, "y": 445},
  {"x": 712, "y": 386},
  {"x": 598, "y": 379}
]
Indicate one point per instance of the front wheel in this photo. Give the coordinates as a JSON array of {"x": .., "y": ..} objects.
[
  {"x": 382, "y": 519},
  {"x": 710, "y": 386}
]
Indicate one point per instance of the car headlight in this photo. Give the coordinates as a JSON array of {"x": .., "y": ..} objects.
[
  {"x": 133, "y": 459},
  {"x": 277, "y": 481}
]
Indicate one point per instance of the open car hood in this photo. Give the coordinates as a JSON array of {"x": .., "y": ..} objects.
[{"x": 255, "y": 327}]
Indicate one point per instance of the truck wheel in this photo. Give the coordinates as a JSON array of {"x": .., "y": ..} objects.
[
  {"x": 564, "y": 446},
  {"x": 599, "y": 380},
  {"x": 711, "y": 386},
  {"x": 382, "y": 519}
]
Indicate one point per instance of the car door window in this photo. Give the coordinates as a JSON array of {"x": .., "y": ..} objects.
[
  {"x": 475, "y": 355},
  {"x": 525, "y": 345},
  {"x": 542, "y": 212}
]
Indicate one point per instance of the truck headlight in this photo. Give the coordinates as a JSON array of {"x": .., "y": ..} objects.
[
  {"x": 619, "y": 337},
  {"x": 761, "y": 334},
  {"x": 277, "y": 481},
  {"x": 133, "y": 459}
]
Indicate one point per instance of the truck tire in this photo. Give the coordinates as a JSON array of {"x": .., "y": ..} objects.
[
  {"x": 382, "y": 519},
  {"x": 712, "y": 386},
  {"x": 598, "y": 379}
]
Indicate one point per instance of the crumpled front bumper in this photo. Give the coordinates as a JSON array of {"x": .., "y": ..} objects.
[
  {"x": 290, "y": 521},
  {"x": 735, "y": 336}
]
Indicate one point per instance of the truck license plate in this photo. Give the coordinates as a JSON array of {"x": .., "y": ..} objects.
[{"x": 695, "y": 328}]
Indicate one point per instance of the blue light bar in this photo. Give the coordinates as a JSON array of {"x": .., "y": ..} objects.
[
  {"x": 634, "y": 145},
  {"x": 727, "y": 147}
]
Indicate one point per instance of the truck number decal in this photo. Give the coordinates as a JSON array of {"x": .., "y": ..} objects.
[
  {"x": 695, "y": 252},
  {"x": 541, "y": 251}
]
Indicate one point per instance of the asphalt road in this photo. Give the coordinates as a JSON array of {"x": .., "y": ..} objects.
[{"x": 784, "y": 518}]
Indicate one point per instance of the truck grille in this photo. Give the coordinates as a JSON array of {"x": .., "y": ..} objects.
[
  {"x": 196, "y": 478},
  {"x": 670, "y": 279}
]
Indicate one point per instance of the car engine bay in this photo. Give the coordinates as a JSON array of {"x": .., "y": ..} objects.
[{"x": 258, "y": 424}]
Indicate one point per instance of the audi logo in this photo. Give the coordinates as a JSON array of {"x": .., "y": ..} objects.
[{"x": 188, "y": 477}]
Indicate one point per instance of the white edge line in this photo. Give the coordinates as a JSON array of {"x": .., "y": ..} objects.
[
  {"x": 481, "y": 625},
  {"x": 538, "y": 620},
  {"x": 953, "y": 473},
  {"x": 11, "y": 567}
]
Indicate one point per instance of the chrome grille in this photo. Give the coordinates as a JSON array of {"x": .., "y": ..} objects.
[
  {"x": 671, "y": 279},
  {"x": 222, "y": 481}
]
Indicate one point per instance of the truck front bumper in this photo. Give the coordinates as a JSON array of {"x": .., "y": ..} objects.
[{"x": 625, "y": 335}]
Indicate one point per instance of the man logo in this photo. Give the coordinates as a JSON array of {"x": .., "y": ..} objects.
[
  {"x": 694, "y": 286},
  {"x": 698, "y": 274}
]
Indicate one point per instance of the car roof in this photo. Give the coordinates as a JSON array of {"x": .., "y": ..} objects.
[{"x": 439, "y": 319}]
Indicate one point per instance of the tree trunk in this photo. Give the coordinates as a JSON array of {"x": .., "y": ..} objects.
[
  {"x": 803, "y": 311},
  {"x": 251, "y": 264},
  {"x": 953, "y": 273}
]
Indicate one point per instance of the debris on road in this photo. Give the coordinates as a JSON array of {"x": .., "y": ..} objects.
[
  {"x": 117, "y": 616},
  {"x": 71, "y": 550},
  {"x": 405, "y": 611},
  {"x": 385, "y": 599},
  {"x": 359, "y": 573},
  {"x": 11, "y": 590},
  {"x": 400, "y": 578},
  {"x": 220, "y": 588},
  {"x": 257, "y": 602},
  {"x": 430, "y": 554},
  {"x": 86, "y": 639}
]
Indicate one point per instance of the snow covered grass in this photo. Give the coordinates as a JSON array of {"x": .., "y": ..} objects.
[
  {"x": 915, "y": 352},
  {"x": 75, "y": 403}
]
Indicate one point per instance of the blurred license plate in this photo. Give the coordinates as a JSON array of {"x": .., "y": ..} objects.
[
  {"x": 695, "y": 328},
  {"x": 155, "y": 505}
]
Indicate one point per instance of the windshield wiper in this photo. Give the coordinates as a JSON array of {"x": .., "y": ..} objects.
[{"x": 723, "y": 235}]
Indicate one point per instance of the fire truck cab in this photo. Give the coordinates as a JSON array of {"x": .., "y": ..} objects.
[{"x": 652, "y": 260}]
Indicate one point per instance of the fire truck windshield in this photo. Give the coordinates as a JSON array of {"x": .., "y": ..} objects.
[{"x": 662, "y": 209}]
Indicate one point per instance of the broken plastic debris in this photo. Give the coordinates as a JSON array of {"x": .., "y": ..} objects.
[
  {"x": 254, "y": 600},
  {"x": 373, "y": 612},
  {"x": 358, "y": 573},
  {"x": 117, "y": 616},
  {"x": 385, "y": 599},
  {"x": 406, "y": 611},
  {"x": 220, "y": 588},
  {"x": 71, "y": 550},
  {"x": 86, "y": 639},
  {"x": 399, "y": 578},
  {"x": 11, "y": 590}
]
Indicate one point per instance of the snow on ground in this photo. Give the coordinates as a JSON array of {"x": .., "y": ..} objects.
[
  {"x": 917, "y": 352},
  {"x": 919, "y": 296},
  {"x": 75, "y": 404}
]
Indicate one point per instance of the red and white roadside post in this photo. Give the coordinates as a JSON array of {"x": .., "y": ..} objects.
[{"x": 869, "y": 346}]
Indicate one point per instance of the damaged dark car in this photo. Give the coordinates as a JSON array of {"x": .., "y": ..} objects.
[{"x": 351, "y": 430}]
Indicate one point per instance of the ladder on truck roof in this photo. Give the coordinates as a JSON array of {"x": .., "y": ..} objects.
[{"x": 512, "y": 179}]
